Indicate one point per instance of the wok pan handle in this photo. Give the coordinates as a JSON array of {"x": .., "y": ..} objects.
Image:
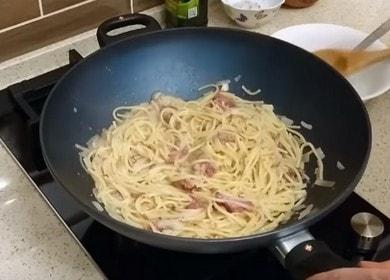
[
  {"x": 312, "y": 257},
  {"x": 122, "y": 21},
  {"x": 303, "y": 256}
]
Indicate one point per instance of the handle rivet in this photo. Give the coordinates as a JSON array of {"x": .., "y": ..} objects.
[{"x": 308, "y": 248}]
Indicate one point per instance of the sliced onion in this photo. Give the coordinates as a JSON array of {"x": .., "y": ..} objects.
[
  {"x": 324, "y": 183},
  {"x": 169, "y": 224},
  {"x": 307, "y": 178},
  {"x": 95, "y": 141},
  {"x": 80, "y": 147},
  {"x": 224, "y": 85},
  {"x": 215, "y": 87},
  {"x": 237, "y": 78},
  {"x": 306, "y": 125},
  {"x": 268, "y": 107},
  {"x": 340, "y": 166},
  {"x": 156, "y": 95},
  {"x": 190, "y": 213},
  {"x": 306, "y": 157},
  {"x": 97, "y": 206},
  {"x": 300, "y": 207},
  {"x": 320, "y": 153},
  {"x": 247, "y": 91},
  {"x": 305, "y": 212},
  {"x": 286, "y": 120}
]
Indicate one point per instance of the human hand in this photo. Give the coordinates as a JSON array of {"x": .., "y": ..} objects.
[{"x": 365, "y": 271}]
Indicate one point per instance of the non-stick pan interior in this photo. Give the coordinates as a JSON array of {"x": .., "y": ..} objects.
[{"x": 178, "y": 62}]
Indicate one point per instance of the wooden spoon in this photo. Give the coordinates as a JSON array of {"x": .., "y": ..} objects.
[{"x": 349, "y": 61}]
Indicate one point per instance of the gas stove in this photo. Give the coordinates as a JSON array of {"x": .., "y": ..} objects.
[{"x": 121, "y": 258}]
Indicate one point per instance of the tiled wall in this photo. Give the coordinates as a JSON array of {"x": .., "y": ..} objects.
[{"x": 26, "y": 25}]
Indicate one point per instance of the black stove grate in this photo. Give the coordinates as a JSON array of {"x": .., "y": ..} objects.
[{"x": 20, "y": 131}]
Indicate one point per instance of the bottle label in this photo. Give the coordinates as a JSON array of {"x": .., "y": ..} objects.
[{"x": 183, "y": 9}]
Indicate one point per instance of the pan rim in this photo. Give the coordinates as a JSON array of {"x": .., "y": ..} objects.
[{"x": 273, "y": 234}]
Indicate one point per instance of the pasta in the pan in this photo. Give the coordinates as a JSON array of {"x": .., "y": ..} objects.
[{"x": 216, "y": 167}]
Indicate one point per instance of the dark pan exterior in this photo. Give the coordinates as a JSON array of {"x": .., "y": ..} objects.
[{"x": 180, "y": 61}]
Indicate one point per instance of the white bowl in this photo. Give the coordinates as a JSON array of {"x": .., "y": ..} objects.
[
  {"x": 370, "y": 82},
  {"x": 251, "y": 13}
]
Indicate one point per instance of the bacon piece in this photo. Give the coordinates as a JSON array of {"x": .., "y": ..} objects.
[
  {"x": 194, "y": 204},
  {"x": 205, "y": 168},
  {"x": 168, "y": 224},
  {"x": 176, "y": 155},
  {"x": 223, "y": 101},
  {"x": 233, "y": 204},
  {"x": 185, "y": 184}
]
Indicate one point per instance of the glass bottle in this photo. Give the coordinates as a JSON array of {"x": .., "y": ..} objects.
[{"x": 180, "y": 13}]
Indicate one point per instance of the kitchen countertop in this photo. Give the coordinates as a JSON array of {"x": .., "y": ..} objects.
[{"x": 35, "y": 244}]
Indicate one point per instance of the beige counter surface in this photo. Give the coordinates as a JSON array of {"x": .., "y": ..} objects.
[{"x": 34, "y": 242}]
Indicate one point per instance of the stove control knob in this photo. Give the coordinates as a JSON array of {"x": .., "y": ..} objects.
[{"x": 368, "y": 229}]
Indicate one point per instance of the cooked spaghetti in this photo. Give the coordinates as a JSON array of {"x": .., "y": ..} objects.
[{"x": 215, "y": 167}]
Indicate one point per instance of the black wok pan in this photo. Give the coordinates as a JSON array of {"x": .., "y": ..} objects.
[{"x": 179, "y": 61}]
